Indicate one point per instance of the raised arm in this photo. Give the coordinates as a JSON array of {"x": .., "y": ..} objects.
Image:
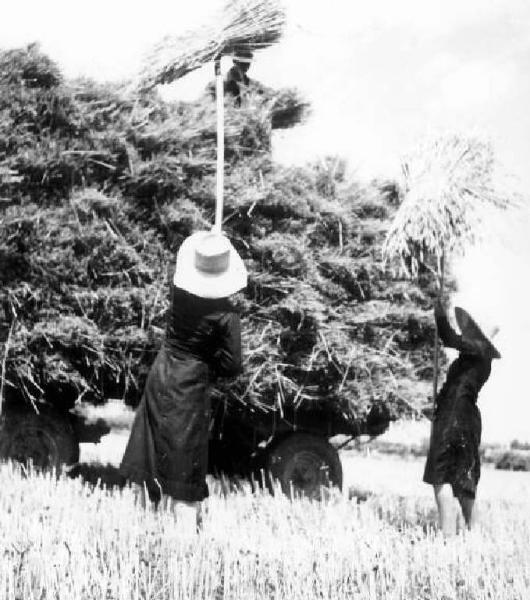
[{"x": 227, "y": 357}]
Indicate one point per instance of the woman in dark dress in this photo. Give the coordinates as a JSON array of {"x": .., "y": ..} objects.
[
  {"x": 167, "y": 451},
  {"x": 453, "y": 461}
]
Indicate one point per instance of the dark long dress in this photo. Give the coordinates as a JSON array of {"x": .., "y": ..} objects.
[
  {"x": 168, "y": 445},
  {"x": 455, "y": 438}
]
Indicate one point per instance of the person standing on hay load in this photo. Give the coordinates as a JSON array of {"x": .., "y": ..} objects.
[
  {"x": 453, "y": 460},
  {"x": 237, "y": 81},
  {"x": 167, "y": 449}
]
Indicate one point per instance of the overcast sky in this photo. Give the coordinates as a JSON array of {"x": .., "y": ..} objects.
[{"x": 379, "y": 74}]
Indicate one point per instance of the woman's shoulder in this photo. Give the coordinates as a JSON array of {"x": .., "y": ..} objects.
[{"x": 196, "y": 304}]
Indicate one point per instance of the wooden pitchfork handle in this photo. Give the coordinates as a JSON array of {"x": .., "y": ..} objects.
[
  {"x": 219, "y": 98},
  {"x": 436, "y": 337}
]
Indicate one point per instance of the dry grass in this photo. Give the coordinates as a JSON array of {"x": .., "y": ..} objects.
[
  {"x": 63, "y": 540},
  {"x": 252, "y": 24},
  {"x": 449, "y": 184}
]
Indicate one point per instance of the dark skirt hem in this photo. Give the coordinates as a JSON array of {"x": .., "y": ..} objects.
[
  {"x": 456, "y": 463},
  {"x": 458, "y": 491},
  {"x": 155, "y": 486}
]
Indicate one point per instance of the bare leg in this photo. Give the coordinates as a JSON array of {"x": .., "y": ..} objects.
[
  {"x": 201, "y": 512},
  {"x": 142, "y": 495},
  {"x": 189, "y": 516},
  {"x": 445, "y": 503},
  {"x": 467, "y": 505}
]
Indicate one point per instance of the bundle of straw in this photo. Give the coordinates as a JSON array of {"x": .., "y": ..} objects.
[
  {"x": 243, "y": 24},
  {"x": 251, "y": 24},
  {"x": 449, "y": 187}
]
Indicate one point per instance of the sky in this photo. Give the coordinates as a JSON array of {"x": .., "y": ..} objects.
[{"x": 379, "y": 75}]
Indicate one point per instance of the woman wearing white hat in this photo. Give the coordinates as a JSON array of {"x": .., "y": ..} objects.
[{"x": 168, "y": 446}]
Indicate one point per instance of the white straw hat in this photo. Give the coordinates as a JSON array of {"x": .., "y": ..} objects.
[{"x": 209, "y": 266}]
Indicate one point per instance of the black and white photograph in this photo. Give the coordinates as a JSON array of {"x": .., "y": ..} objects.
[{"x": 264, "y": 288}]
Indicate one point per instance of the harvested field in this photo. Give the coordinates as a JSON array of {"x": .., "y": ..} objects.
[{"x": 377, "y": 540}]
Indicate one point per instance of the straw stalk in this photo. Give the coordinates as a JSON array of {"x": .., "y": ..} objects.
[{"x": 449, "y": 186}]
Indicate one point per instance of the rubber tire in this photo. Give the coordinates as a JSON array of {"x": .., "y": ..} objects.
[
  {"x": 304, "y": 465},
  {"x": 47, "y": 439}
]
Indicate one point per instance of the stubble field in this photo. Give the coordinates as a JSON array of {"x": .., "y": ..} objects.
[{"x": 62, "y": 539}]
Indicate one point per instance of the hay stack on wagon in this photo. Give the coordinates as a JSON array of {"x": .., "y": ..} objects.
[{"x": 86, "y": 249}]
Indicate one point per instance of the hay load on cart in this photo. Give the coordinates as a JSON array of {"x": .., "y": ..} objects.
[{"x": 107, "y": 185}]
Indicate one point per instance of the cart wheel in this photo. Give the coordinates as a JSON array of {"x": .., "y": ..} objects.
[
  {"x": 46, "y": 440},
  {"x": 304, "y": 464}
]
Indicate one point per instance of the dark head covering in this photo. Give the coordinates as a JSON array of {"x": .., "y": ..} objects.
[
  {"x": 472, "y": 331},
  {"x": 242, "y": 54}
]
